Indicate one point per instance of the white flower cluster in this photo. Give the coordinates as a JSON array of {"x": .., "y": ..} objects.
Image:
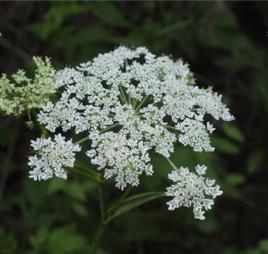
[
  {"x": 192, "y": 190},
  {"x": 122, "y": 157},
  {"x": 128, "y": 102},
  {"x": 52, "y": 157}
]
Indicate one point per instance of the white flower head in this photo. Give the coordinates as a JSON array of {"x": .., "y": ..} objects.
[
  {"x": 51, "y": 157},
  {"x": 129, "y": 103},
  {"x": 122, "y": 157},
  {"x": 190, "y": 189}
]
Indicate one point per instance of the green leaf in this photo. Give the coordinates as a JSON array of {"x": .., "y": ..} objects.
[
  {"x": 148, "y": 229},
  {"x": 209, "y": 225},
  {"x": 76, "y": 191},
  {"x": 8, "y": 242},
  {"x": 66, "y": 240},
  {"x": 79, "y": 208},
  {"x": 231, "y": 191},
  {"x": 55, "y": 185},
  {"x": 133, "y": 202},
  {"x": 96, "y": 32},
  {"x": 39, "y": 239},
  {"x": 254, "y": 161},
  {"x": 173, "y": 28},
  {"x": 235, "y": 179},
  {"x": 54, "y": 18},
  {"x": 264, "y": 245},
  {"x": 233, "y": 132},
  {"x": 224, "y": 145},
  {"x": 108, "y": 13}
]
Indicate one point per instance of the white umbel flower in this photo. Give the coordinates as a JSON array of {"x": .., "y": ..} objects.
[
  {"x": 129, "y": 102},
  {"x": 51, "y": 157},
  {"x": 190, "y": 189},
  {"x": 122, "y": 157}
]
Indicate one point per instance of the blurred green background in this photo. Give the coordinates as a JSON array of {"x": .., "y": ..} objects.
[{"x": 226, "y": 45}]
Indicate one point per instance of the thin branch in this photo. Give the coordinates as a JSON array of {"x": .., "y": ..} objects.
[
  {"x": 102, "y": 207},
  {"x": 142, "y": 102},
  {"x": 171, "y": 163},
  {"x": 120, "y": 200}
]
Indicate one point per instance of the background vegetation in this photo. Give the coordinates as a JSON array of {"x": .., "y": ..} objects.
[{"x": 225, "y": 44}]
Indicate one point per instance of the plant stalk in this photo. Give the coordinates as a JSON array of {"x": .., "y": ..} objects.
[
  {"x": 97, "y": 237},
  {"x": 171, "y": 163},
  {"x": 119, "y": 201},
  {"x": 102, "y": 226},
  {"x": 142, "y": 103}
]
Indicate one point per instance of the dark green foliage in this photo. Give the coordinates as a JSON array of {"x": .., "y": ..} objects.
[{"x": 226, "y": 45}]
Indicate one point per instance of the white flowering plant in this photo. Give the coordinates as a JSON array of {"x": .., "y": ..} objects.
[{"x": 118, "y": 109}]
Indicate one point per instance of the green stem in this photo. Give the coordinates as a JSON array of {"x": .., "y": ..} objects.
[
  {"x": 82, "y": 140},
  {"x": 102, "y": 131},
  {"x": 110, "y": 127},
  {"x": 121, "y": 98},
  {"x": 102, "y": 207},
  {"x": 102, "y": 226},
  {"x": 170, "y": 127},
  {"x": 171, "y": 163},
  {"x": 142, "y": 102},
  {"x": 97, "y": 237},
  {"x": 130, "y": 203},
  {"x": 122, "y": 93},
  {"x": 135, "y": 103},
  {"x": 88, "y": 172},
  {"x": 120, "y": 200},
  {"x": 123, "y": 203}
]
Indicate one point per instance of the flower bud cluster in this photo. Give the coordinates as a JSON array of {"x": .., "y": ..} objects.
[{"x": 21, "y": 93}]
